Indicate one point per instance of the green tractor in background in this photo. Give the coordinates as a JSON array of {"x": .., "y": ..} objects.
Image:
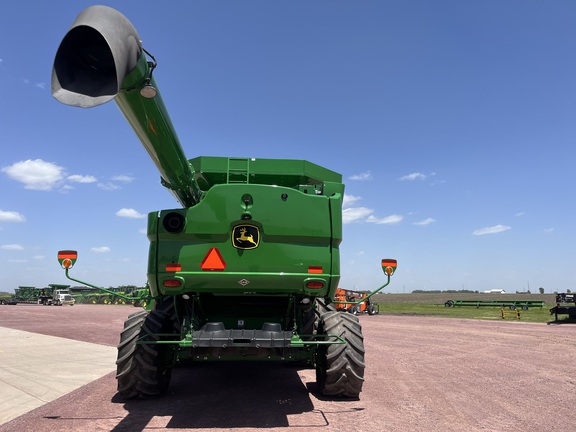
[{"x": 247, "y": 268}]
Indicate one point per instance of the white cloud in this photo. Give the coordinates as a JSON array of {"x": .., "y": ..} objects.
[
  {"x": 491, "y": 230},
  {"x": 519, "y": 214},
  {"x": 354, "y": 214},
  {"x": 11, "y": 260},
  {"x": 363, "y": 214},
  {"x": 11, "y": 216},
  {"x": 35, "y": 174},
  {"x": 41, "y": 85},
  {"x": 39, "y": 257},
  {"x": 108, "y": 186},
  {"x": 81, "y": 179},
  {"x": 362, "y": 176},
  {"x": 424, "y": 222},
  {"x": 12, "y": 247},
  {"x": 388, "y": 220},
  {"x": 123, "y": 178},
  {"x": 101, "y": 249},
  {"x": 548, "y": 230},
  {"x": 413, "y": 176},
  {"x": 349, "y": 200},
  {"x": 130, "y": 213}
]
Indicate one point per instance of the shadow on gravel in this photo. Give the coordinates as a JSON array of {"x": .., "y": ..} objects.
[
  {"x": 223, "y": 395},
  {"x": 568, "y": 320}
]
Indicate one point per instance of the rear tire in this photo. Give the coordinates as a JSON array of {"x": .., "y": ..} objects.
[
  {"x": 340, "y": 367},
  {"x": 144, "y": 370},
  {"x": 312, "y": 320}
]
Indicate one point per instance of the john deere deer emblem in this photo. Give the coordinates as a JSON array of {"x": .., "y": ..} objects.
[{"x": 245, "y": 237}]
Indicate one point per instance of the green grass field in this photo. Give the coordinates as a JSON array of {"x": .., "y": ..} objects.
[{"x": 433, "y": 305}]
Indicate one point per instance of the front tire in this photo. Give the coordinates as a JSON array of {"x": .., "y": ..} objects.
[{"x": 340, "y": 367}]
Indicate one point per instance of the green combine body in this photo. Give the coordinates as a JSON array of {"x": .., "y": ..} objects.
[{"x": 248, "y": 267}]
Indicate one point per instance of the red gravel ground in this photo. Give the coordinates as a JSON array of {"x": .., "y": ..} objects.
[{"x": 423, "y": 374}]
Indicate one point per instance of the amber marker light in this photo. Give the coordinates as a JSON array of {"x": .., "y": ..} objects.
[{"x": 173, "y": 267}]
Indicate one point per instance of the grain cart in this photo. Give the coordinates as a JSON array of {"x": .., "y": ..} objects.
[{"x": 247, "y": 267}]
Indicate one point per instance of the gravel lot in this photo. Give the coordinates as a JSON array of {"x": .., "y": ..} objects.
[{"x": 423, "y": 374}]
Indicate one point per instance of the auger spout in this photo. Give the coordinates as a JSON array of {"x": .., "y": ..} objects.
[{"x": 101, "y": 58}]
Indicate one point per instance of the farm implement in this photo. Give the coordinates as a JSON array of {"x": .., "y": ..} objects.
[{"x": 512, "y": 304}]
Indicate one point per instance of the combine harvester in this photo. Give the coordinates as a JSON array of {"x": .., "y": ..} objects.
[{"x": 248, "y": 267}]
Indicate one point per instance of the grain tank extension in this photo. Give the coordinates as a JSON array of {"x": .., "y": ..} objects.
[{"x": 247, "y": 267}]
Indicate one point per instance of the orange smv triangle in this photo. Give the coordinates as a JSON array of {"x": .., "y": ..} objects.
[{"x": 213, "y": 261}]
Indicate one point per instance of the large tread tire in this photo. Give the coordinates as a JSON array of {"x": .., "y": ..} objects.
[
  {"x": 166, "y": 305},
  {"x": 340, "y": 367},
  {"x": 312, "y": 319},
  {"x": 142, "y": 369},
  {"x": 322, "y": 308}
]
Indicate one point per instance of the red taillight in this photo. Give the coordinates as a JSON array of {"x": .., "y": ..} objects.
[
  {"x": 314, "y": 285},
  {"x": 172, "y": 283}
]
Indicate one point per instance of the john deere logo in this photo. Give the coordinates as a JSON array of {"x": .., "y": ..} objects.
[{"x": 245, "y": 237}]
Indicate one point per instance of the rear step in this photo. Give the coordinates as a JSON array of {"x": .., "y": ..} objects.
[{"x": 215, "y": 335}]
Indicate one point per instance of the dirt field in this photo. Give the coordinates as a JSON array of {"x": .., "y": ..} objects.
[{"x": 423, "y": 374}]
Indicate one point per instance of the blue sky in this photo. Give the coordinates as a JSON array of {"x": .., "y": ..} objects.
[{"x": 453, "y": 124}]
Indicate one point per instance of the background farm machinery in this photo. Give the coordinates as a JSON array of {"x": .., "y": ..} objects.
[
  {"x": 53, "y": 294},
  {"x": 565, "y": 305},
  {"x": 509, "y": 304},
  {"x": 129, "y": 294},
  {"x": 355, "y": 302}
]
